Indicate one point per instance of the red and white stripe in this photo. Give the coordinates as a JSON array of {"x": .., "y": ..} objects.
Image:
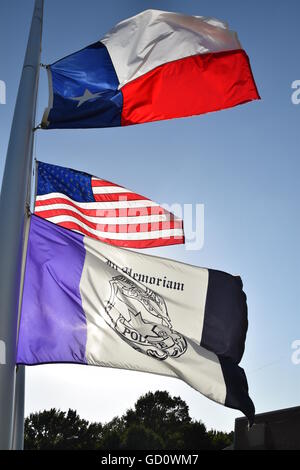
[{"x": 118, "y": 216}]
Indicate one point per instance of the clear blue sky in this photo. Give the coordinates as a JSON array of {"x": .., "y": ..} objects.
[{"x": 242, "y": 163}]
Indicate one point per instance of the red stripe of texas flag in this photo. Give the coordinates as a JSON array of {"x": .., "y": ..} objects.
[{"x": 189, "y": 86}]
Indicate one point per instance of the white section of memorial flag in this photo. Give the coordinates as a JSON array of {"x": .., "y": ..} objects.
[
  {"x": 117, "y": 310},
  {"x": 143, "y": 42}
]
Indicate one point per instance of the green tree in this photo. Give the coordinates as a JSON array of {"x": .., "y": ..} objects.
[
  {"x": 111, "y": 434},
  {"x": 138, "y": 437},
  {"x": 160, "y": 412},
  {"x": 167, "y": 417},
  {"x": 157, "y": 421},
  {"x": 55, "y": 429},
  {"x": 220, "y": 440},
  {"x": 195, "y": 436}
]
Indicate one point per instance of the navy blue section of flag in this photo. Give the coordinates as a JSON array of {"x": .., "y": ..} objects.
[
  {"x": 72, "y": 183},
  {"x": 237, "y": 390},
  {"x": 225, "y": 323},
  {"x": 85, "y": 90}
]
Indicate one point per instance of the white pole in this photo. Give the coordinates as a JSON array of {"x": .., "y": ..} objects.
[{"x": 13, "y": 212}]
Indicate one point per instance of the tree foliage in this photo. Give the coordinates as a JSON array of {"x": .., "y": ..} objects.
[
  {"x": 157, "y": 421},
  {"x": 55, "y": 429}
]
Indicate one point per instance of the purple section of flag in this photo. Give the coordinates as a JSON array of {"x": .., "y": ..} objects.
[{"x": 53, "y": 323}]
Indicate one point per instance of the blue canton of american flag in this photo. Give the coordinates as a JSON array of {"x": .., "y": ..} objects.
[{"x": 103, "y": 210}]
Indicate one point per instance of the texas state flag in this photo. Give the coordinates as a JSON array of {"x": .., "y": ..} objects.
[{"x": 156, "y": 65}]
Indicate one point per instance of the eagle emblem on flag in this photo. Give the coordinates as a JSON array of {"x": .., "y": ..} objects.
[{"x": 140, "y": 317}]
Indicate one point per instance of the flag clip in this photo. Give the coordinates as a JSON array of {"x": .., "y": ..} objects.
[{"x": 27, "y": 209}]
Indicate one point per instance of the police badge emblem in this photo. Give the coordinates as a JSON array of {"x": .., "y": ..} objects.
[{"x": 140, "y": 317}]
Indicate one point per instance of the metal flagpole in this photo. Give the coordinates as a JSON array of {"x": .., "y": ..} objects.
[
  {"x": 19, "y": 403},
  {"x": 13, "y": 212},
  {"x": 18, "y": 420}
]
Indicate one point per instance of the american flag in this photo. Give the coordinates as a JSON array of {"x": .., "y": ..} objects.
[{"x": 103, "y": 210}]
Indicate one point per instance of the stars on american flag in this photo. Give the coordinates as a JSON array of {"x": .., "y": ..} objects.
[{"x": 55, "y": 179}]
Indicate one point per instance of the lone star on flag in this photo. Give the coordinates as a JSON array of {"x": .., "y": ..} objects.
[{"x": 87, "y": 96}]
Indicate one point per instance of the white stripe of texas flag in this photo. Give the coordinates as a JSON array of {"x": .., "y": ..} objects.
[{"x": 165, "y": 37}]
